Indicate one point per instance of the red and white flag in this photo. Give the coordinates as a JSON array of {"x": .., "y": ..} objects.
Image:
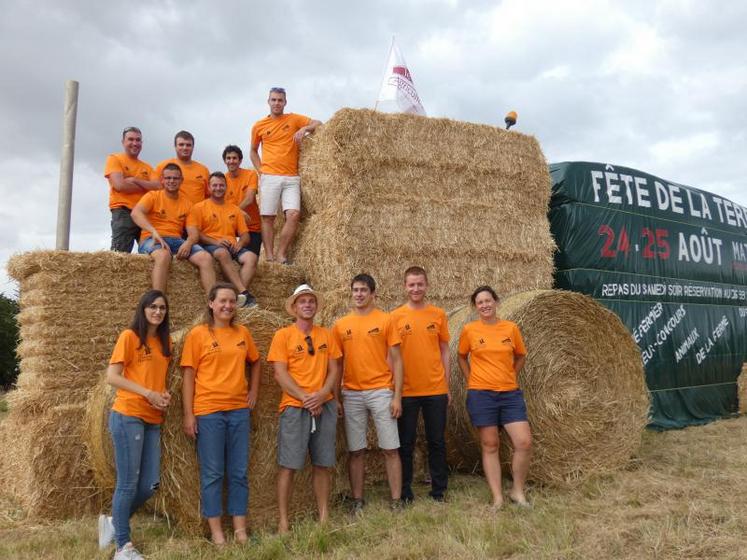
[{"x": 398, "y": 93}]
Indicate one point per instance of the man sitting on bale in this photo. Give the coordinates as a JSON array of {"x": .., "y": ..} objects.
[
  {"x": 280, "y": 135},
  {"x": 162, "y": 216},
  {"x": 194, "y": 174},
  {"x": 369, "y": 341},
  {"x": 129, "y": 179},
  {"x": 304, "y": 357},
  {"x": 219, "y": 224},
  {"x": 241, "y": 190}
]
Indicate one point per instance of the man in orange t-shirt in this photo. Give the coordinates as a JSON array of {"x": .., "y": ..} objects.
[
  {"x": 280, "y": 135},
  {"x": 304, "y": 357},
  {"x": 162, "y": 217},
  {"x": 424, "y": 331},
  {"x": 241, "y": 190},
  {"x": 219, "y": 224},
  {"x": 129, "y": 179},
  {"x": 195, "y": 175},
  {"x": 370, "y": 342}
]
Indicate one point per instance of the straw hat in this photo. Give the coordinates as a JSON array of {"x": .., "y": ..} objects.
[{"x": 301, "y": 290}]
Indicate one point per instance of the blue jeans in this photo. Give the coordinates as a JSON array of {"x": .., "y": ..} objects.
[
  {"x": 147, "y": 246},
  {"x": 223, "y": 446},
  {"x": 137, "y": 456}
]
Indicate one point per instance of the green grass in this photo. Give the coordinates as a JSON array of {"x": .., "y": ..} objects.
[{"x": 682, "y": 497}]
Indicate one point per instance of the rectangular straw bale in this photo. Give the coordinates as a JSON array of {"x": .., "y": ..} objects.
[{"x": 467, "y": 202}]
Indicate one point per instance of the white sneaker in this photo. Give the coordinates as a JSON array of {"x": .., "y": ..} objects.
[
  {"x": 128, "y": 552},
  {"x": 106, "y": 531}
]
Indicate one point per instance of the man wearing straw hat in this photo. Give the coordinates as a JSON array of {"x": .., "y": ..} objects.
[
  {"x": 370, "y": 342},
  {"x": 129, "y": 179},
  {"x": 304, "y": 357},
  {"x": 279, "y": 134},
  {"x": 424, "y": 331}
]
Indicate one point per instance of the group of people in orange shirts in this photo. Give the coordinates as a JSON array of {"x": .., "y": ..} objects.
[{"x": 390, "y": 367}]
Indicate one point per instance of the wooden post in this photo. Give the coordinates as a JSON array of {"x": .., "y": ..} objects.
[{"x": 65, "y": 198}]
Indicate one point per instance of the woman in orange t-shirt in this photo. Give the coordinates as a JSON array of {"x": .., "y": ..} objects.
[
  {"x": 217, "y": 405},
  {"x": 496, "y": 355},
  {"x": 137, "y": 369}
]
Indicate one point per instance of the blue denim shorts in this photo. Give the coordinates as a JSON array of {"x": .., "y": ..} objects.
[
  {"x": 213, "y": 248},
  {"x": 495, "y": 408},
  {"x": 147, "y": 246}
]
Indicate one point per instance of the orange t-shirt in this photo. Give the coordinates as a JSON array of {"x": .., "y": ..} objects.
[
  {"x": 365, "y": 342},
  {"x": 166, "y": 214},
  {"x": 279, "y": 150},
  {"x": 219, "y": 357},
  {"x": 491, "y": 349},
  {"x": 145, "y": 366},
  {"x": 422, "y": 331},
  {"x": 236, "y": 188},
  {"x": 219, "y": 221},
  {"x": 128, "y": 167},
  {"x": 309, "y": 372},
  {"x": 194, "y": 175}
]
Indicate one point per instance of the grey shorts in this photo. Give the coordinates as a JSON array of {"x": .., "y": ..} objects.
[
  {"x": 295, "y": 439},
  {"x": 358, "y": 405},
  {"x": 125, "y": 232}
]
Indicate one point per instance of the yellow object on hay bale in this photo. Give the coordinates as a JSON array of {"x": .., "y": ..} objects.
[
  {"x": 385, "y": 191},
  {"x": 179, "y": 496},
  {"x": 742, "y": 390},
  {"x": 583, "y": 383}
]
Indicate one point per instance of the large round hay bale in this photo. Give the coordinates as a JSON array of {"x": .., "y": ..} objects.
[
  {"x": 179, "y": 497},
  {"x": 98, "y": 439},
  {"x": 583, "y": 383}
]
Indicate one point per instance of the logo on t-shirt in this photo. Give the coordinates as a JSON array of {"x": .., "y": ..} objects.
[
  {"x": 299, "y": 349},
  {"x": 162, "y": 213},
  {"x": 506, "y": 340},
  {"x": 406, "y": 330},
  {"x": 242, "y": 343},
  {"x": 481, "y": 342},
  {"x": 348, "y": 335},
  {"x": 374, "y": 331},
  {"x": 432, "y": 327},
  {"x": 145, "y": 355},
  {"x": 322, "y": 347}
]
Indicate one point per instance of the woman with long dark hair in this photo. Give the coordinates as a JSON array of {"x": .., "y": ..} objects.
[
  {"x": 217, "y": 404},
  {"x": 137, "y": 370},
  {"x": 496, "y": 355}
]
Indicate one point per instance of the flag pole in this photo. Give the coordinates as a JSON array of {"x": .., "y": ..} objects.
[{"x": 388, "y": 57}]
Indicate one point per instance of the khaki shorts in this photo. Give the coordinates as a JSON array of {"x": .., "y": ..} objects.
[
  {"x": 275, "y": 190},
  {"x": 357, "y": 406}
]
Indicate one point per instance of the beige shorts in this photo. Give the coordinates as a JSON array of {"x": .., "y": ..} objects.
[
  {"x": 275, "y": 190},
  {"x": 357, "y": 406}
]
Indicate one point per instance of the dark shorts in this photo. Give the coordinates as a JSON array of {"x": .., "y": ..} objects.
[
  {"x": 147, "y": 246},
  {"x": 255, "y": 242},
  {"x": 495, "y": 408},
  {"x": 125, "y": 232},
  {"x": 295, "y": 439},
  {"x": 213, "y": 248}
]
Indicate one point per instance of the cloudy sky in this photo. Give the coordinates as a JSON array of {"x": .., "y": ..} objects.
[{"x": 660, "y": 86}]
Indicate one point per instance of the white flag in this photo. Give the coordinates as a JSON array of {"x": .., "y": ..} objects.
[{"x": 398, "y": 90}]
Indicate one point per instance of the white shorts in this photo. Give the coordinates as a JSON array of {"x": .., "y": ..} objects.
[
  {"x": 274, "y": 189},
  {"x": 357, "y": 405}
]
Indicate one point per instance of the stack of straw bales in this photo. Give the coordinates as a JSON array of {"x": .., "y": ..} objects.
[
  {"x": 73, "y": 306},
  {"x": 386, "y": 191},
  {"x": 583, "y": 383},
  {"x": 742, "y": 389}
]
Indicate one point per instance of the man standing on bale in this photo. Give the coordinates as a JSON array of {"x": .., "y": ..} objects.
[
  {"x": 162, "y": 217},
  {"x": 241, "y": 190},
  {"x": 304, "y": 357},
  {"x": 370, "y": 342},
  {"x": 424, "y": 331},
  {"x": 219, "y": 224},
  {"x": 280, "y": 134},
  {"x": 129, "y": 179},
  {"x": 195, "y": 175}
]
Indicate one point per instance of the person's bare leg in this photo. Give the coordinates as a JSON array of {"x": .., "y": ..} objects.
[
  {"x": 161, "y": 263},
  {"x": 321, "y": 480},
  {"x": 288, "y": 233},
  {"x": 248, "y": 266},
  {"x": 204, "y": 263},
  {"x": 491, "y": 463},
  {"x": 216, "y": 530},
  {"x": 285, "y": 487},
  {"x": 356, "y": 472},
  {"x": 239, "y": 529},
  {"x": 226, "y": 265},
  {"x": 268, "y": 237},
  {"x": 521, "y": 440},
  {"x": 393, "y": 472}
]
